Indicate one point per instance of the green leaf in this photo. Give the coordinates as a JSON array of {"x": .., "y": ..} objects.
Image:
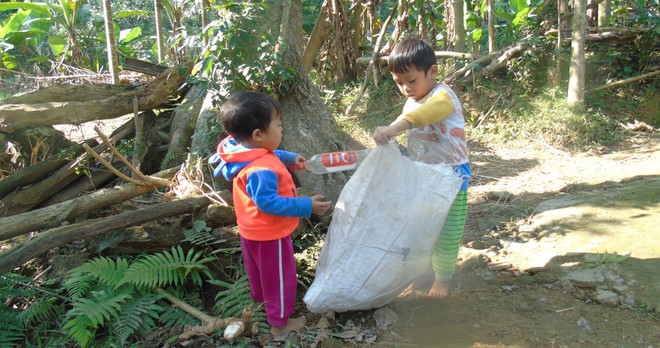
[
  {"x": 67, "y": 7},
  {"x": 123, "y": 14},
  {"x": 477, "y": 34},
  {"x": 26, "y": 6},
  {"x": 57, "y": 44},
  {"x": 39, "y": 59},
  {"x": 78, "y": 329},
  {"x": 128, "y": 35},
  {"x": 521, "y": 17},
  {"x": 9, "y": 61},
  {"x": 504, "y": 15},
  {"x": 519, "y": 5},
  {"x": 13, "y": 24},
  {"x": 199, "y": 225}
]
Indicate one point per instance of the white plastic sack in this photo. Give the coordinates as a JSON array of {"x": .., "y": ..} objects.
[{"x": 382, "y": 232}]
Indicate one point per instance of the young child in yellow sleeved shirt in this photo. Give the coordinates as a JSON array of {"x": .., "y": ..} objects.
[{"x": 435, "y": 128}]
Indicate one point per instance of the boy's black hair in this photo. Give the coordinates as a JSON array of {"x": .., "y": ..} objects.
[
  {"x": 246, "y": 111},
  {"x": 411, "y": 53}
]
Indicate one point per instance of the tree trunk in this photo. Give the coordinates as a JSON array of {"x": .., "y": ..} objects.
[
  {"x": 449, "y": 25},
  {"x": 555, "y": 72},
  {"x": 604, "y": 13},
  {"x": 401, "y": 26},
  {"x": 60, "y": 236},
  {"x": 577, "y": 69},
  {"x": 492, "y": 38},
  {"x": 309, "y": 127},
  {"x": 96, "y": 178},
  {"x": 202, "y": 9},
  {"x": 332, "y": 39},
  {"x": 111, "y": 46},
  {"x": 459, "y": 26},
  {"x": 356, "y": 31},
  {"x": 320, "y": 31},
  {"x": 159, "y": 31},
  {"x": 422, "y": 27}
]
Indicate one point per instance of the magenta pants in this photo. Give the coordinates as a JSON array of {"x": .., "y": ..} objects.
[{"x": 271, "y": 270}]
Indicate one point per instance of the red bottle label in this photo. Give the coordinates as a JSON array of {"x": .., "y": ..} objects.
[{"x": 336, "y": 159}]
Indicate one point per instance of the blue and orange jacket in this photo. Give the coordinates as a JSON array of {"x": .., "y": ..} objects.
[{"x": 265, "y": 198}]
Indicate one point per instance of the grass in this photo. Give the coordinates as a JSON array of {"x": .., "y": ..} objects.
[{"x": 496, "y": 111}]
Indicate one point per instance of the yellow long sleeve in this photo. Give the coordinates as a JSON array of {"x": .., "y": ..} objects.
[{"x": 433, "y": 110}]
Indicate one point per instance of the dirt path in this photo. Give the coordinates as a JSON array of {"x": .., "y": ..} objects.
[{"x": 544, "y": 258}]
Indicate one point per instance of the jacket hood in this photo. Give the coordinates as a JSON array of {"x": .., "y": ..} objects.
[{"x": 231, "y": 157}]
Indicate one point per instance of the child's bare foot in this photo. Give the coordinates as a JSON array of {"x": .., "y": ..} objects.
[
  {"x": 439, "y": 289},
  {"x": 293, "y": 324},
  {"x": 420, "y": 282}
]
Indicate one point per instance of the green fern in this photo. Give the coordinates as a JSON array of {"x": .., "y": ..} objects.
[
  {"x": 11, "y": 286},
  {"x": 235, "y": 298},
  {"x": 11, "y": 330},
  {"x": 79, "y": 329},
  {"x": 103, "y": 269},
  {"x": 165, "y": 269},
  {"x": 118, "y": 296},
  {"x": 42, "y": 310},
  {"x": 89, "y": 314},
  {"x": 137, "y": 315},
  {"x": 101, "y": 308},
  {"x": 39, "y": 310},
  {"x": 79, "y": 284}
]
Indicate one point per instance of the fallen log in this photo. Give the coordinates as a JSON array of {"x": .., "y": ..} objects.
[
  {"x": 497, "y": 60},
  {"x": 55, "y": 215},
  {"x": 152, "y": 95},
  {"x": 68, "y": 93},
  {"x": 31, "y": 174},
  {"x": 28, "y": 198},
  {"x": 60, "y": 236},
  {"x": 96, "y": 179},
  {"x": 460, "y": 72},
  {"x": 502, "y": 59},
  {"x": 184, "y": 120},
  {"x": 142, "y": 66}
]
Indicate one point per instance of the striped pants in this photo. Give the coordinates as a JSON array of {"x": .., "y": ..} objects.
[{"x": 445, "y": 250}]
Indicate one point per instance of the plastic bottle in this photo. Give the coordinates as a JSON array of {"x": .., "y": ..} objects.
[{"x": 331, "y": 162}]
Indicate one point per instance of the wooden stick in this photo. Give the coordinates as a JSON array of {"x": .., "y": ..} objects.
[
  {"x": 625, "y": 81},
  {"x": 150, "y": 181},
  {"x": 112, "y": 168}
]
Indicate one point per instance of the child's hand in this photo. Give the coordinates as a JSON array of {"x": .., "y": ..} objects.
[
  {"x": 298, "y": 163},
  {"x": 383, "y": 134},
  {"x": 319, "y": 206}
]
